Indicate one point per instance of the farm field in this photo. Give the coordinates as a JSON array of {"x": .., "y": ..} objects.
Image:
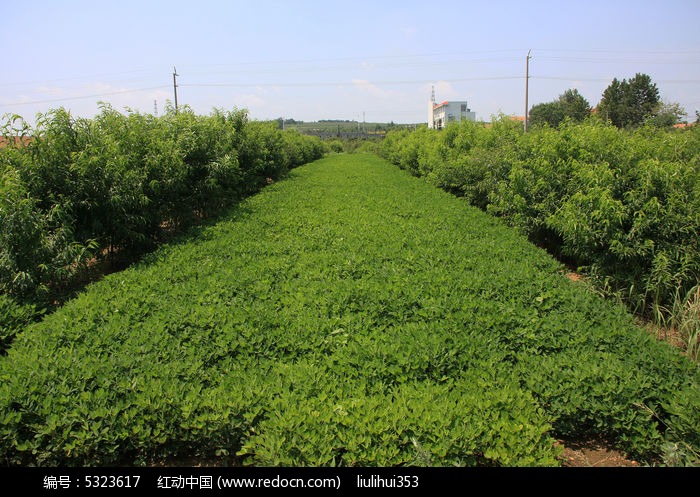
[
  {"x": 331, "y": 126},
  {"x": 622, "y": 206},
  {"x": 350, "y": 315}
]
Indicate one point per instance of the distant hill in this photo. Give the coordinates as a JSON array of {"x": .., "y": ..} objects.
[{"x": 329, "y": 126}]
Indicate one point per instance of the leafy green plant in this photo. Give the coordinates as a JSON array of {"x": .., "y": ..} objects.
[
  {"x": 78, "y": 193},
  {"x": 348, "y": 314},
  {"x": 687, "y": 320},
  {"x": 621, "y": 205}
]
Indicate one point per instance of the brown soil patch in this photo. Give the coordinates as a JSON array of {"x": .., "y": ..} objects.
[
  {"x": 593, "y": 454},
  {"x": 670, "y": 335}
]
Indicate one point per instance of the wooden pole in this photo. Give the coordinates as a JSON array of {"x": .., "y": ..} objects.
[
  {"x": 175, "y": 75},
  {"x": 527, "y": 79}
]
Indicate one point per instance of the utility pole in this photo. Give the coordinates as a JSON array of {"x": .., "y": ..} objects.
[
  {"x": 175, "y": 75},
  {"x": 527, "y": 79}
]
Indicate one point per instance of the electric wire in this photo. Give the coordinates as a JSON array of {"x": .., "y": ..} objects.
[{"x": 248, "y": 69}]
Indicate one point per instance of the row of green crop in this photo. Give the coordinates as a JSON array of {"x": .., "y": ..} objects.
[
  {"x": 81, "y": 190},
  {"x": 622, "y": 205},
  {"x": 352, "y": 316}
]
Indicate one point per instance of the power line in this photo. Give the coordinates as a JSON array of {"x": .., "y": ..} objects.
[
  {"x": 602, "y": 80},
  {"x": 96, "y": 95},
  {"x": 357, "y": 57},
  {"x": 73, "y": 78},
  {"x": 351, "y": 83},
  {"x": 550, "y": 54},
  {"x": 665, "y": 60}
]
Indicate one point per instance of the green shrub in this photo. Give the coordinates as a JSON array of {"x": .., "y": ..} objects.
[
  {"x": 82, "y": 191},
  {"x": 621, "y": 205}
]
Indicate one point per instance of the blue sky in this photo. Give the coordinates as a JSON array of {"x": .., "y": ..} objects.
[{"x": 351, "y": 59}]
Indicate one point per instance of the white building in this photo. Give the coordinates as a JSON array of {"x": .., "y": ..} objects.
[{"x": 441, "y": 114}]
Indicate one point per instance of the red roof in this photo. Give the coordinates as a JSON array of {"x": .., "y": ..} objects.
[{"x": 17, "y": 140}]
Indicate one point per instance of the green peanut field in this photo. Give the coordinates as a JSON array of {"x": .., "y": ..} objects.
[{"x": 349, "y": 314}]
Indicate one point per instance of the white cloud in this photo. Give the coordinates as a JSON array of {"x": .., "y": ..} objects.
[
  {"x": 249, "y": 100},
  {"x": 371, "y": 89},
  {"x": 50, "y": 91}
]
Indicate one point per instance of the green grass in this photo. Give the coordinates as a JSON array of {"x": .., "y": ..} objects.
[{"x": 348, "y": 315}]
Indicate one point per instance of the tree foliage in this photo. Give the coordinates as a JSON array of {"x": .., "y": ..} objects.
[
  {"x": 667, "y": 114},
  {"x": 630, "y": 103},
  {"x": 623, "y": 204},
  {"x": 86, "y": 191},
  {"x": 570, "y": 104}
]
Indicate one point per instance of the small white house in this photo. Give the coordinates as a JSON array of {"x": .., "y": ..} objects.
[{"x": 441, "y": 114}]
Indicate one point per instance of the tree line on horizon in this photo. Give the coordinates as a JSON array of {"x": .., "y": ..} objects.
[{"x": 626, "y": 104}]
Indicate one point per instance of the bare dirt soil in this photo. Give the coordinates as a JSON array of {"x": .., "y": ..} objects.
[{"x": 593, "y": 453}]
